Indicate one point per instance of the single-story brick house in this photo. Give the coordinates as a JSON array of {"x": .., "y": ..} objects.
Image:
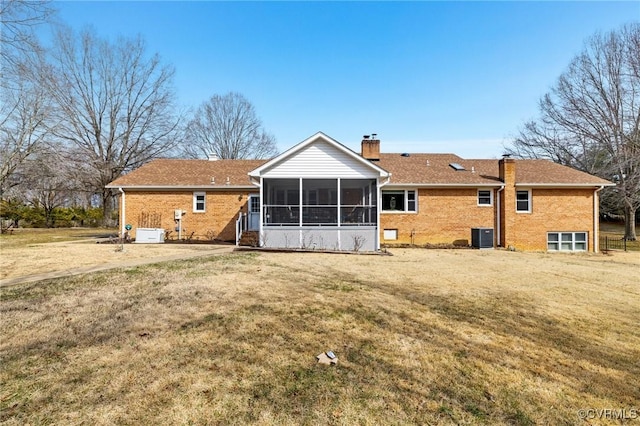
[{"x": 321, "y": 195}]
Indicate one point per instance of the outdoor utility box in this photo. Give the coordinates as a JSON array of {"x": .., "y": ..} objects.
[
  {"x": 150, "y": 235},
  {"x": 177, "y": 214},
  {"x": 482, "y": 238}
]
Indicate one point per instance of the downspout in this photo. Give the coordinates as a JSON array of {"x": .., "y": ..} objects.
[
  {"x": 499, "y": 216},
  {"x": 123, "y": 221},
  {"x": 596, "y": 220},
  {"x": 379, "y": 207}
]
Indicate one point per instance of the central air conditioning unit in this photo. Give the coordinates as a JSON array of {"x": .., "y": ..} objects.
[
  {"x": 149, "y": 235},
  {"x": 482, "y": 238}
]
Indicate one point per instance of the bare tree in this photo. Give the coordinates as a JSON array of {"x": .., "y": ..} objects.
[
  {"x": 18, "y": 18},
  {"x": 24, "y": 111},
  {"x": 591, "y": 118},
  {"x": 47, "y": 184},
  {"x": 24, "y": 106},
  {"x": 115, "y": 105},
  {"x": 228, "y": 127}
]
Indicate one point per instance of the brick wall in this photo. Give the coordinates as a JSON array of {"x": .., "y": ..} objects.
[
  {"x": 445, "y": 216},
  {"x": 219, "y": 219},
  {"x": 507, "y": 174},
  {"x": 569, "y": 210}
]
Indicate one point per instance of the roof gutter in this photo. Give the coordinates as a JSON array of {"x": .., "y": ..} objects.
[
  {"x": 564, "y": 185},
  {"x": 445, "y": 185},
  {"x": 181, "y": 187}
]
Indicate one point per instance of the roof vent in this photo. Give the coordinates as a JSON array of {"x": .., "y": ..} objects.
[
  {"x": 456, "y": 166},
  {"x": 374, "y": 135},
  {"x": 213, "y": 180},
  {"x": 365, "y": 137},
  {"x": 405, "y": 154}
]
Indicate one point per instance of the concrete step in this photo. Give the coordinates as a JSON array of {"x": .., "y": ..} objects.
[{"x": 249, "y": 238}]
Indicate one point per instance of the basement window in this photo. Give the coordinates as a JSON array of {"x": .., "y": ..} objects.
[
  {"x": 390, "y": 234},
  {"x": 567, "y": 241},
  {"x": 199, "y": 203}
]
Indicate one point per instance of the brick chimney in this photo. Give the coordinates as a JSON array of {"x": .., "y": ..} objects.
[
  {"x": 370, "y": 147},
  {"x": 507, "y": 170},
  {"x": 507, "y": 214}
]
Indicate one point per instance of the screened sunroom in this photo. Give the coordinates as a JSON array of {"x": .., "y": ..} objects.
[
  {"x": 323, "y": 214},
  {"x": 319, "y": 202},
  {"x": 319, "y": 195}
]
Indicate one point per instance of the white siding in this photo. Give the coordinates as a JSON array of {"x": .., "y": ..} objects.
[
  {"x": 361, "y": 239},
  {"x": 320, "y": 160}
]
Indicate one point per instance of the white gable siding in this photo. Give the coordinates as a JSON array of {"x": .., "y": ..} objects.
[{"x": 320, "y": 160}]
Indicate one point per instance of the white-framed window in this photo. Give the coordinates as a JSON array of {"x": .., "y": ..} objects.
[
  {"x": 199, "y": 202},
  {"x": 400, "y": 201},
  {"x": 567, "y": 241},
  {"x": 523, "y": 201},
  {"x": 485, "y": 197}
]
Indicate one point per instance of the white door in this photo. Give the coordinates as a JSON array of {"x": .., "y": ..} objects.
[{"x": 254, "y": 212}]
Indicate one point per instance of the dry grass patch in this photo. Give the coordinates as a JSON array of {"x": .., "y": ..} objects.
[
  {"x": 447, "y": 337},
  {"x": 21, "y": 237},
  {"x": 39, "y": 251}
]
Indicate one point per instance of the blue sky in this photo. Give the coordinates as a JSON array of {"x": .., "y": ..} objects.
[{"x": 455, "y": 77}]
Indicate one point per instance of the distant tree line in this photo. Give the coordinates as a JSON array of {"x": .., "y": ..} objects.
[
  {"x": 78, "y": 114},
  {"x": 15, "y": 213}
]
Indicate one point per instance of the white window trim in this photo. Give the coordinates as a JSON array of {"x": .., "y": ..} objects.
[
  {"x": 406, "y": 201},
  {"x": 529, "y": 201},
  {"x": 195, "y": 202},
  {"x": 490, "y": 198},
  {"x": 573, "y": 241}
]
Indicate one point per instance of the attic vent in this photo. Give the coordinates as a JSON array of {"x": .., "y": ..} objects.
[
  {"x": 456, "y": 166},
  {"x": 405, "y": 154}
]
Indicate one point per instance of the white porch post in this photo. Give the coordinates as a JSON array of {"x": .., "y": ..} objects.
[
  {"x": 339, "y": 201},
  {"x": 262, "y": 213}
]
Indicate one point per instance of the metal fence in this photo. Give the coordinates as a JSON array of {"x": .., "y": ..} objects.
[{"x": 608, "y": 243}]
